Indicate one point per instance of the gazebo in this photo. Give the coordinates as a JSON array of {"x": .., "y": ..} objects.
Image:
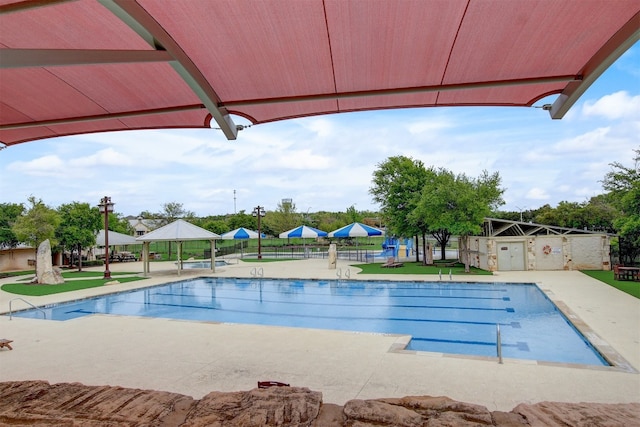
[{"x": 178, "y": 231}]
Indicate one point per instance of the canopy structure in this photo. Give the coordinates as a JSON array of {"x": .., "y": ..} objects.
[
  {"x": 116, "y": 239},
  {"x": 356, "y": 229},
  {"x": 72, "y": 67},
  {"x": 178, "y": 231},
  {"x": 239, "y": 234},
  {"x": 303, "y": 231}
]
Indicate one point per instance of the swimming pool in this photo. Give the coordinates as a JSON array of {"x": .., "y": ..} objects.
[{"x": 458, "y": 318}]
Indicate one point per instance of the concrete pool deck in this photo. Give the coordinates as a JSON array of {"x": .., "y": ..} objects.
[{"x": 195, "y": 358}]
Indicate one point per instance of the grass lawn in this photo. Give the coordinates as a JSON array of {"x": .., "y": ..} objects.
[
  {"x": 632, "y": 288},
  {"x": 418, "y": 268},
  {"x": 40, "y": 290},
  {"x": 71, "y": 274}
]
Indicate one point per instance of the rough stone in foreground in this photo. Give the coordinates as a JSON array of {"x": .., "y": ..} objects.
[
  {"x": 274, "y": 406},
  {"x": 416, "y": 411},
  {"x": 580, "y": 414},
  {"x": 37, "y": 403}
]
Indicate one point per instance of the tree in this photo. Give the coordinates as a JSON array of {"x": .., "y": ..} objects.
[
  {"x": 38, "y": 224},
  {"x": 9, "y": 213},
  {"x": 283, "y": 218},
  {"x": 79, "y": 223},
  {"x": 241, "y": 219},
  {"x": 457, "y": 205},
  {"x": 171, "y": 212},
  {"x": 397, "y": 186},
  {"x": 218, "y": 226},
  {"x": 623, "y": 185},
  {"x": 119, "y": 224}
]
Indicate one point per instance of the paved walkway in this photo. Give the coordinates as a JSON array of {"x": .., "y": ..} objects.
[{"x": 195, "y": 358}]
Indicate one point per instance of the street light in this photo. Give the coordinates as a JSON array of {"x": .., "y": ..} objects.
[
  {"x": 259, "y": 212},
  {"x": 106, "y": 207}
]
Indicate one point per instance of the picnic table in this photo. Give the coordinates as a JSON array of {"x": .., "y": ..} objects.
[
  {"x": 123, "y": 257},
  {"x": 626, "y": 273}
]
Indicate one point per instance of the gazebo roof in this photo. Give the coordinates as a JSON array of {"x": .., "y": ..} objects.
[
  {"x": 116, "y": 238},
  {"x": 71, "y": 67},
  {"x": 178, "y": 231}
]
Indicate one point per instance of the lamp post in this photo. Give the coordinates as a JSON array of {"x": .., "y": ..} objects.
[
  {"x": 106, "y": 206},
  {"x": 259, "y": 212}
]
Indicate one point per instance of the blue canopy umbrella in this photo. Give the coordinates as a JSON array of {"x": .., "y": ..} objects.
[
  {"x": 240, "y": 234},
  {"x": 304, "y": 232},
  {"x": 356, "y": 229}
]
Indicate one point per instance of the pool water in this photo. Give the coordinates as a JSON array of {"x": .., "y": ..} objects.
[{"x": 449, "y": 317}]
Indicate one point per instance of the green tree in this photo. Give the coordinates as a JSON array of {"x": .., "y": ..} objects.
[
  {"x": 38, "y": 224},
  {"x": 241, "y": 219},
  {"x": 623, "y": 185},
  {"x": 119, "y": 224},
  {"x": 218, "y": 226},
  {"x": 283, "y": 218},
  {"x": 397, "y": 187},
  {"x": 171, "y": 212},
  {"x": 457, "y": 205},
  {"x": 9, "y": 213},
  {"x": 79, "y": 223}
]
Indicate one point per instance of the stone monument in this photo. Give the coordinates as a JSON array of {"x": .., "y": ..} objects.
[
  {"x": 333, "y": 256},
  {"x": 45, "y": 272}
]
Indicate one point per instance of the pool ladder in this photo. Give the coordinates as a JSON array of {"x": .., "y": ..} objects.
[
  {"x": 257, "y": 272},
  {"x": 27, "y": 302},
  {"x": 347, "y": 273},
  {"x": 450, "y": 275},
  {"x": 498, "y": 343}
]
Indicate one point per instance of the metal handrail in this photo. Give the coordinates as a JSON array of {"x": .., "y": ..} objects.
[
  {"x": 498, "y": 343},
  {"x": 44, "y": 313}
]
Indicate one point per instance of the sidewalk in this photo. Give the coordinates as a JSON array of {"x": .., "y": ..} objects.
[{"x": 194, "y": 358}]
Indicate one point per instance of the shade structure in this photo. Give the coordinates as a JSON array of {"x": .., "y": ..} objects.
[
  {"x": 304, "y": 232},
  {"x": 356, "y": 229},
  {"x": 239, "y": 233},
  {"x": 116, "y": 239},
  {"x": 178, "y": 231},
  {"x": 72, "y": 67}
]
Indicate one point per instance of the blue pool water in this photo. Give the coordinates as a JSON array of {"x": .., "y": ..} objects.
[{"x": 447, "y": 317}]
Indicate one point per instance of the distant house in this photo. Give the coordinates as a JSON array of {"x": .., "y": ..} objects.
[
  {"x": 143, "y": 226},
  {"x": 519, "y": 246},
  {"x": 19, "y": 258}
]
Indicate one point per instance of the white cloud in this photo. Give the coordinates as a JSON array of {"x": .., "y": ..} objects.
[
  {"x": 537, "y": 194},
  {"x": 49, "y": 166},
  {"x": 619, "y": 105}
]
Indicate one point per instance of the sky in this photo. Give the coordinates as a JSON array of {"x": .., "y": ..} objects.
[{"x": 326, "y": 163}]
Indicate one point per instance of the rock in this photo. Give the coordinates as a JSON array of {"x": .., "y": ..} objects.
[
  {"x": 273, "y": 406},
  {"x": 45, "y": 272},
  {"x": 376, "y": 413},
  {"x": 42, "y": 404},
  {"x": 39, "y": 403},
  {"x": 333, "y": 256},
  {"x": 330, "y": 415},
  {"x": 580, "y": 414},
  {"x": 416, "y": 411}
]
